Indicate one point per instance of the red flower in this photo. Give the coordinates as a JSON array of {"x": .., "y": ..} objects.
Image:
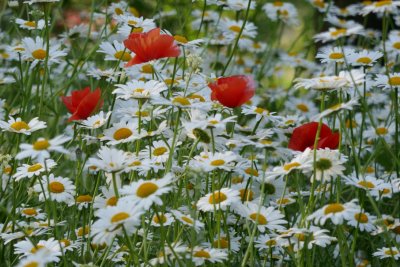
[
  {"x": 304, "y": 136},
  {"x": 151, "y": 45},
  {"x": 233, "y": 91},
  {"x": 82, "y": 103}
]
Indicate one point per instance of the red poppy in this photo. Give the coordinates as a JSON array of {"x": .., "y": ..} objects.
[
  {"x": 82, "y": 103},
  {"x": 151, "y": 45},
  {"x": 233, "y": 91},
  {"x": 304, "y": 136}
]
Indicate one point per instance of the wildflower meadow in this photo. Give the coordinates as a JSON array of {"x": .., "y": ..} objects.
[{"x": 199, "y": 133}]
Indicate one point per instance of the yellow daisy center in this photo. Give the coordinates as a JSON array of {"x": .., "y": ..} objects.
[
  {"x": 235, "y": 28},
  {"x": 198, "y": 97},
  {"x": 259, "y": 218},
  {"x": 118, "y": 11},
  {"x": 159, "y": 151},
  {"x": 302, "y": 107},
  {"x": 39, "y": 54},
  {"x": 338, "y": 32},
  {"x": 217, "y": 197},
  {"x": 181, "y": 100},
  {"x": 31, "y": 24},
  {"x": 364, "y": 60},
  {"x": 319, "y": 3},
  {"x": 202, "y": 254},
  {"x": 289, "y": 166},
  {"x": 383, "y": 3},
  {"x": 391, "y": 252},
  {"x": 181, "y": 39},
  {"x": 221, "y": 243},
  {"x": 159, "y": 219},
  {"x": 84, "y": 198},
  {"x": 217, "y": 162},
  {"x": 20, "y": 125},
  {"x": 333, "y": 208},
  {"x": 246, "y": 195},
  {"x": 32, "y": 264},
  {"x": 278, "y": 3},
  {"x": 147, "y": 69},
  {"x": 124, "y": 56},
  {"x": 119, "y": 217},
  {"x": 35, "y": 167},
  {"x": 30, "y": 212},
  {"x": 112, "y": 201},
  {"x": 42, "y": 144},
  {"x": 187, "y": 219},
  {"x": 36, "y": 248},
  {"x": 381, "y": 131},
  {"x": 361, "y": 217},
  {"x": 366, "y": 184},
  {"x": 66, "y": 242},
  {"x": 395, "y": 81},
  {"x": 336, "y": 56},
  {"x": 56, "y": 187},
  {"x": 122, "y": 133},
  {"x": 146, "y": 189},
  {"x": 396, "y": 45}
]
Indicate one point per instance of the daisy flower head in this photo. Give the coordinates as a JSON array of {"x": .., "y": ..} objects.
[
  {"x": 385, "y": 252},
  {"x": 132, "y": 24},
  {"x": 50, "y": 246},
  {"x": 36, "y": 51},
  {"x": 381, "y": 131},
  {"x": 300, "y": 162},
  {"x": 137, "y": 89},
  {"x": 159, "y": 151},
  {"x": 328, "y": 164},
  {"x": 95, "y": 121},
  {"x": 162, "y": 219},
  {"x": 34, "y": 169},
  {"x": 42, "y": 147},
  {"x": 110, "y": 159},
  {"x": 336, "y": 108},
  {"x": 202, "y": 255},
  {"x": 30, "y": 212},
  {"x": 57, "y": 189},
  {"x": 114, "y": 220},
  {"x": 362, "y": 220},
  {"x": 38, "y": 259},
  {"x": 332, "y": 55},
  {"x": 145, "y": 193},
  {"x": 324, "y": 83},
  {"x": 375, "y": 186},
  {"x": 30, "y": 24},
  {"x": 224, "y": 161},
  {"x": 224, "y": 241},
  {"x": 364, "y": 58},
  {"x": 219, "y": 200},
  {"x": 336, "y": 33},
  {"x": 186, "y": 219},
  {"x": 121, "y": 132},
  {"x": 20, "y": 126},
  {"x": 265, "y": 218},
  {"x": 388, "y": 82},
  {"x": 116, "y": 51},
  {"x": 381, "y": 7},
  {"x": 336, "y": 212}
]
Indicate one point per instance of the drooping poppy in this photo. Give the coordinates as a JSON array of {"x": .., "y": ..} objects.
[
  {"x": 304, "y": 137},
  {"x": 82, "y": 103},
  {"x": 233, "y": 91},
  {"x": 151, "y": 45}
]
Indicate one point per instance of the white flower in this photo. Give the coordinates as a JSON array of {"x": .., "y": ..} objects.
[
  {"x": 385, "y": 252},
  {"x": 110, "y": 159},
  {"x": 219, "y": 199},
  {"x": 36, "y": 51},
  {"x": 57, "y": 189},
  {"x": 202, "y": 255},
  {"x": 34, "y": 169},
  {"x": 364, "y": 58},
  {"x": 41, "y": 149},
  {"x": 265, "y": 218},
  {"x": 140, "y": 90},
  {"x": 144, "y": 193},
  {"x": 336, "y": 212},
  {"x": 20, "y": 126}
]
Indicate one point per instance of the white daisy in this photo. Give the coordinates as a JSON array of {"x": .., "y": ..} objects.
[
  {"x": 219, "y": 199},
  {"x": 34, "y": 169},
  {"x": 42, "y": 147},
  {"x": 336, "y": 212},
  {"x": 57, "y": 189},
  {"x": 95, "y": 121},
  {"x": 36, "y": 51},
  {"x": 20, "y": 126}
]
